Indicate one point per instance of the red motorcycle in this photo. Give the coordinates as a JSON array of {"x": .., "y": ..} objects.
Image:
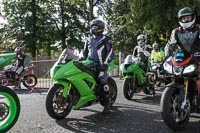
[{"x": 7, "y": 77}]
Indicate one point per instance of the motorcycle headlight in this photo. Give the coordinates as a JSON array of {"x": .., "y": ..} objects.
[
  {"x": 167, "y": 67},
  {"x": 189, "y": 69},
  {"x": 154, "y": 67},
  {"x": 177, "y": 70}
]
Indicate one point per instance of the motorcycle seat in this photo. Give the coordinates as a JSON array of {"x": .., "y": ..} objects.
[{"x": 85, "y": 69}]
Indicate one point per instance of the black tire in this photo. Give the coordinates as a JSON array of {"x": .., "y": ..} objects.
[
  {"x": 112, "y": 91},
  {"x": 129, "y": 88},
  {"x": 30, "y": 81},
  {"x": 149, "y": 90},
  {"x": 57, "y": 106},
  {"x": 146, "y": 91},
  {"x": 12, "y": 105},
  {"x": 169, "y": 96}
]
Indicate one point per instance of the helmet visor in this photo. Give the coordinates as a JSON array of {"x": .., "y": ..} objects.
[
  {"x": 186, "y": 19},
  {"x": 140, "y": 40}
]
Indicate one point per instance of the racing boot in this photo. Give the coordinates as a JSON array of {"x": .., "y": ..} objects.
[{"x": 107, "y": 104}]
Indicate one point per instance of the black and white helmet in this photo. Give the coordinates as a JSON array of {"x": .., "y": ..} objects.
[
  {"x": 99, "y": 23},
  {"x": 141, "y": 40}
]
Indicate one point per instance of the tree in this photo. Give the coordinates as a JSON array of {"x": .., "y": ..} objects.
[
  {"x": 45, "y": 22},
  {"x": 21, "y": 18},
  {"x": 127, "y": 18}
]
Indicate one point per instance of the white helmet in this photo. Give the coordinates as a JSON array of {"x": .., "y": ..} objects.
[
  {"x": 155, "y": 45},
  {"x": 142, "y": 40}
]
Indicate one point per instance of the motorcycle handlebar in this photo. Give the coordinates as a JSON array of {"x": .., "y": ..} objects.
[{"x": 196, "y": 54}]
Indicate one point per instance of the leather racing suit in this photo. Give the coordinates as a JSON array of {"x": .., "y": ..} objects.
[{"x": 99, "y": 50}]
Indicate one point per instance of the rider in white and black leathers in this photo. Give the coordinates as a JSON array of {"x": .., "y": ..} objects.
[
  {"x": 187, "y": 36},
  {"x": 142, "y": 50},
  {"x": 98, "y": 48}
]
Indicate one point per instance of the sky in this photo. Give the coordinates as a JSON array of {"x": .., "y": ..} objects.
[{"x": 2, "y": 21}]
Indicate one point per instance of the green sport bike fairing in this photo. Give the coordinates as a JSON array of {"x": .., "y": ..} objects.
[
  {"x": 9, "y": 108},
  {"x": 135, "y": 78},
  {"x": 75, "y": 84}
]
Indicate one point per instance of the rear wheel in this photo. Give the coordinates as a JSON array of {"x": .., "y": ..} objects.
[
  {"x": 129, "y": 88},
  {"x": 29, "y": 81},
  {"x": 57, "y": 106},
  {"x": 112, "y": 91}
]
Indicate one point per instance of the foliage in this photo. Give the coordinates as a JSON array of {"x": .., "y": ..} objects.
[
  {"x": 126, "y": 19},
  {"x": 53, "y": 21},
  {"x": 46, "y": 27}
]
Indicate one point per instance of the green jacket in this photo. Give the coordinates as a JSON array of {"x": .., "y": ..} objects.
[{"x": 156, "y": 56}]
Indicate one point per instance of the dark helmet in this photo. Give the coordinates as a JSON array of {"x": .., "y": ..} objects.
[
  {"x": 99, "y": 23},
  {"x": 186, "y": 11},
  {"x": 18, "y": 50}
]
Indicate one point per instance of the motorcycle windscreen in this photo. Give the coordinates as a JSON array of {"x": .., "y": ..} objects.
[
  {"x": 181, "y": 58},
  {"x": 66, "y": 55},
  {"x": 128, "y": 59},
  {"x": 6, "y": 59}
]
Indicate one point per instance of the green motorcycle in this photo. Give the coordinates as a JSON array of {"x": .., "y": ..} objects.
[
  {"x": 135, "y": 78},
  {"x": 9, "y": 108},
  {"x": 75, "y": 86}
]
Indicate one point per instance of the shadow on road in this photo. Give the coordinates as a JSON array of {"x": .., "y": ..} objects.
[
  {"x": 147, "y": 99},
  {"x": 27, "y": 91},
  {"x": 122, "y": 119}
]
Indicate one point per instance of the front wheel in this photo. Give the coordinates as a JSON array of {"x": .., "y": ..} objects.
[
  {"x": 9, "y": 108},
  {"x": 172, "y": 114},
  {"x": 57, "y": 106},
  {"x": 129, "y": 88},
  {"x": 29, "y": 81}
]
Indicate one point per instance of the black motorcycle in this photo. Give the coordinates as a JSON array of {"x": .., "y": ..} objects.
[{"x": 181, "y": 97}]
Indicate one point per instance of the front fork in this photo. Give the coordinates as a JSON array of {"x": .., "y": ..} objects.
[
  {"x": 67, "y": 86},
  {"x": 185, "y": 92},
  {"x": 66, "y": 90}
]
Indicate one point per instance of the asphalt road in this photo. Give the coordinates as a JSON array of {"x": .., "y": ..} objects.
[{"x": 140, "y": 115}]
